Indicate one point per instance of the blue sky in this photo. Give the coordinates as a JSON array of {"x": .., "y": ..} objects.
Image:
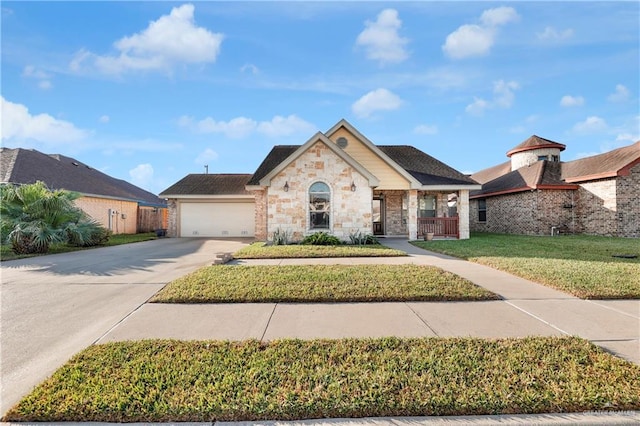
[{"x": 151, "y": 91}]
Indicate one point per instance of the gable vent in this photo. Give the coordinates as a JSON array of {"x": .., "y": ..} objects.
[{"x": 342, "y": 142}]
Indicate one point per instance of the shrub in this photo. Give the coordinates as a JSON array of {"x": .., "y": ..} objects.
[
  {"x": 321, "y": 239},
  {"x": 281, "y": 237},
  {"x": 361, "y": 239}
]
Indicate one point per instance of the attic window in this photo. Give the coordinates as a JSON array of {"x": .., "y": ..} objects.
[
  {"x": 342, "y": 142},
  {"x": 542, "y": 158},
  {"x": 555, "y": 158}
]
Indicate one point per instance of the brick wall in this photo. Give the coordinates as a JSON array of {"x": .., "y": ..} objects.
[
  {"x": 628, "y": 208},
  {"x": 395, "y": 223},
  {"x": 172, "y": 206},
  {"x": 526, "y": 213},
  {"x": 98, "y": 208}
]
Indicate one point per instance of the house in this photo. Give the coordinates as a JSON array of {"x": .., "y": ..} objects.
[
  {"x": 116, "y": 204},
  {"x": 338, "y": 182},
  {"x": 536, "y": 193}
]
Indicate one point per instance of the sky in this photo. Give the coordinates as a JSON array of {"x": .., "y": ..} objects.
[{"x": 149, "y": 92}]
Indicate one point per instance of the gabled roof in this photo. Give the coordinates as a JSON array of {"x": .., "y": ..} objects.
[
  {"x": 499, "y": 179},
  {"x": 318, "y": 138},
  {"x": 209, "y": 184},
  {"x": 539, "y": 175},
  {"x": 424, "y": 168},
  {"x": 610, "y": 164},
  {"x": 535, "y": 142},
  {"x": 25, "y": 166}
]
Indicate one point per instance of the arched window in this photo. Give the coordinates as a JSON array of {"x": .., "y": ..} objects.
[{"x": 319, "y": 208}]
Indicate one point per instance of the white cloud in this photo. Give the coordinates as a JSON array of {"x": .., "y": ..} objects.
[
  {"x": 476, "y": 40},
  {"x": 503, "y": 97},
  {"x": 620, "y": 95},
  {"x": 242, "y": 127},
  {"x": 376, "y": 100},
  {"x": 425, "y": 129},
  {"x": 142, "y": 175},
  {"x": 249, "y": 68},
  {"x": 285, "y": 126},
  {"x": 381, "y": 40},
  {"x": 551, "y": 34},
  {"x": 499, "y": 16},
  {"x": 627, "y": 137},
  {"x": 18, "y": 125},
  {"x": 591, "y": 124},
  {"x": 477, "y": 107},
  {"x": 503, "y": 93},
  {"x": 104, "y": 119},
  {"x": 44, "y": 79},
  {"x": 206, "y": 156},
  {"x": 172, "y": 39},
  {"x": 571, "y": 101}
]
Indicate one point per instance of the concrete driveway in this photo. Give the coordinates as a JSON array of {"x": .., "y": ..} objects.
[{"x": 54, "y": 306}]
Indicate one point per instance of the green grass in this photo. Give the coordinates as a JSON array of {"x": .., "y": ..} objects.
[
  {"x": 319, "y": 283},
  {"x": 7, "y": 254},
  {"x": 578, "y": 264},
  {"x": 262, "y": 251},
  {"x": 178, "y": 381}
]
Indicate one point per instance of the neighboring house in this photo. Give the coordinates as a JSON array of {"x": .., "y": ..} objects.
[
  {"x": 338, "y": 182},
  {"x": 118, "y": 205},
  {"x": 535, "y": 193}
]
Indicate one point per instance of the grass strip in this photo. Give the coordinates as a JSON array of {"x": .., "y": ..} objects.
[
  {"x": 262, "y": 251},
  {"x": 320, "y": 283},
  {"x": 115, "y": 240},
  {"x": 178, "y": 381},
  {"x": 582, "y": 265}
]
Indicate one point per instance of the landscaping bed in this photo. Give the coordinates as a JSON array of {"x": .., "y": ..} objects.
[
  {"x": 320, "y": 283},
  {"x": 177, "y": 381},
  {"x": 589, "y": 267},
  {"x": 262, "y": 250}
]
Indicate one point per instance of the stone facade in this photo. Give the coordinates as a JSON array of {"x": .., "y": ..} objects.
[
  {"x": 527, "y": 158},
  {"x": 288, "y": 211},
  {"x": 125, "y": 221},
  {"x": 172, "y": 206}
]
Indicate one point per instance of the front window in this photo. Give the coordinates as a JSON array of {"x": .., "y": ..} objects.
[
  {"x": 319, "y": 208},
  {"x": 427, "y": 206},
  {"x": 482, "y": 210}
]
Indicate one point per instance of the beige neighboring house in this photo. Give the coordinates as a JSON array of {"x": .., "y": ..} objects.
[
  {"x": 338, "y": 182},
  {"x": 536, "y": 193},
  {"x": 118, "y": 205}
]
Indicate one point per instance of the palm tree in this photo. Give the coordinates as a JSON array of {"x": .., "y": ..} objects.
[{"x": 32, "y": 218}]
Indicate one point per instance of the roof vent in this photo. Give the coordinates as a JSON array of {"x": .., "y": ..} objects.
[
  {"x": 342, "y": 142},
  {"x": 75, "y": 164}
]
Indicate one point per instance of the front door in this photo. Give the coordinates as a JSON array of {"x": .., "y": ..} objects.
[{"x": 378, "y": 216}]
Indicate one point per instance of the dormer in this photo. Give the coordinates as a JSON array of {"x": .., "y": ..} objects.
[{"x": 534, "y": 149}]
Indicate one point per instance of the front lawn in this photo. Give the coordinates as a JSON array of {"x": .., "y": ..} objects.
[
  {"x": 262, "y": 251},
  {"x": 178, "y": 381},
  {"x": 581, "y": 265},
  {"x": 7, "y": 254},
  {"x": 319, "y": 283}
]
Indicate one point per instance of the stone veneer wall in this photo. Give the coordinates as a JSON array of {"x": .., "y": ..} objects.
[
  {"x": 261, "y": 233},
  {"x": 172, "y": 206},
  {"x": 526, "y": 213},
  {"x": 395, "y": 223},
  {"x": 628, "y": 189},
  {"x": 289, "y": 211},
  {"x": 526, "y": 158}
]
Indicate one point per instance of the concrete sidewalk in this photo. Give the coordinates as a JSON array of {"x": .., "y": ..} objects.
[{"x": 526, "y": 309}]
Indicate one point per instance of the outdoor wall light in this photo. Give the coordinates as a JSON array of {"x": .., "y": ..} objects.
[
  {"x": 286, "y": 186},
  {"x": 353, "y": 187}
]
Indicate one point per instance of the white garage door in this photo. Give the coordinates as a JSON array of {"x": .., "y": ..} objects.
[{"x": 217, "y": 219}]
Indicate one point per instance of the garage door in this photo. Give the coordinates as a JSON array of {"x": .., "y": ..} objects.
[{"x": 217, "y": 219}]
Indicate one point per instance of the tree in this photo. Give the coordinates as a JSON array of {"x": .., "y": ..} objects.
[{"x": 32, "y": 218}]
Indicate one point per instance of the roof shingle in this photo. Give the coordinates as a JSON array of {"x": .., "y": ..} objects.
[{"x": 210, "y": 184}]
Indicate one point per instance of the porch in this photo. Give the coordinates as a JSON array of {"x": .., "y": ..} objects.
[{"x": 439, "y": 226}]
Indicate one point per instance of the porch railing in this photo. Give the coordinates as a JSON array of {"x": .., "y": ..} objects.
[{"x": 439, "y": 226}]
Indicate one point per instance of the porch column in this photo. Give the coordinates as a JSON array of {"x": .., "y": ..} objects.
[
  {"x": 413, "y": 214},
  {"x": 463, "y": 214}
]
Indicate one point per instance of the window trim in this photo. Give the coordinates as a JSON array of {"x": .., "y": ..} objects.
[{"x": 327, "y": 210}]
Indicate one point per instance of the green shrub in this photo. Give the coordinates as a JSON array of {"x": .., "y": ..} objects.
[
  {"x": 321, "y": 239},
  {"x": 361, "y": 239},
  {"x": 281, "y": 237}
]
